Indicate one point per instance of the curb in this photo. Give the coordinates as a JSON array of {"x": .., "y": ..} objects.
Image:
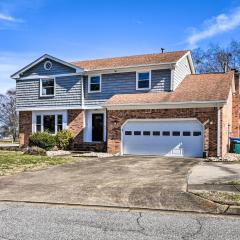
[{"x": 233, "y": 210}]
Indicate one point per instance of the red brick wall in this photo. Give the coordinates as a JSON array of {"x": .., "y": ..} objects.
[
  {"x": 235, "y": 108},
  {"x": 75, "y": 124},
  {"x": 25, "y": 127},
  {"x": 116, "y": 118}
]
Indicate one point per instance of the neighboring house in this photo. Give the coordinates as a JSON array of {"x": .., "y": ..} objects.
[{"x": 145, "y": 104}]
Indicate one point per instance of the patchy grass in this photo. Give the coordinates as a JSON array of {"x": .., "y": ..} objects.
[
  {"x": 14, "y": 162},
  {"x": 222, "y": 197},
  {"x": 233, "y": 182}
]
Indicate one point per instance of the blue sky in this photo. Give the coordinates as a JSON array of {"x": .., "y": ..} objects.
[{"x": 86, "y": 29}]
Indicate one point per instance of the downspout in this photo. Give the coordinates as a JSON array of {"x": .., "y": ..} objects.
[{"x": 218, "y": 131}]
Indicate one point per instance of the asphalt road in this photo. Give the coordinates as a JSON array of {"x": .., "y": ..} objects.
[{"x": 27, "y": 221}]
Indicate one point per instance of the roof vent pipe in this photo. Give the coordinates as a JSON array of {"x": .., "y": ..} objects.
[{"x": 162, "y": 50}]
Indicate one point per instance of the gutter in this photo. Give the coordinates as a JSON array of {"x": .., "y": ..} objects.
[{"x": 164, "y": 104}]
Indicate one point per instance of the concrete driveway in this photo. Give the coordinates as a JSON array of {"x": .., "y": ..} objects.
[{"x": 134, "y": 181}]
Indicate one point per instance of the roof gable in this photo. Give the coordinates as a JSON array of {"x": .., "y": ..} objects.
[{"x": 41, "y": 59}]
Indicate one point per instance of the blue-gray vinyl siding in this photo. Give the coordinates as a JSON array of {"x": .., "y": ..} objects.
[
  {"x": 57, "y": 68},
  {"x": 67, "y": 93},
  {"x": 120, "y": 83}
]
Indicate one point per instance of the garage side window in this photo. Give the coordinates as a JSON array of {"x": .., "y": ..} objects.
[
  {"x": 137, "y": 133},
  {"x": 146, "y": 133},
  {"x": 176, "y": 133},
  {"x": 197, "y": 133},
  {"x": 166, "y": 133},
  {"x": 128, "y": 133},
  {"x": 156, "y": 133},
  {"x": 186, "y": 133}
]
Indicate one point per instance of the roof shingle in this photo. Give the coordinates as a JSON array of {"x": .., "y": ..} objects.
[
  {"x": 194, "y": 88},
  {"x": 129, "y": 61}
]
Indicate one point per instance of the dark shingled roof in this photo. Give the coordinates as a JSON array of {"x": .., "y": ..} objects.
[
  {"x": 128, "y": 61},
  {"x": 194, "y": 88}
]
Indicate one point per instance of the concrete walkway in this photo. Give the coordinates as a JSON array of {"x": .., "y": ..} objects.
[{"x": 214, "y": 176}]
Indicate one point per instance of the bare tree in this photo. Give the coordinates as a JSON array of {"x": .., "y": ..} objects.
[
  {"x": 8, "y": 114},
  {"x": 216, "y": 58}
]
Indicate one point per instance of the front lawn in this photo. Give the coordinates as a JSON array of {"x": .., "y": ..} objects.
[{"x": 14, "y": 162}]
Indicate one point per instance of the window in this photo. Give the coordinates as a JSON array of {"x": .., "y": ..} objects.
[
  {"x": 176, "y": 133},
  {"x": 166, "y": 133},
  {"x": 156, "y": 133},
  {"x": 137, "y": 133},
  {"x": 128, "y": 133},
  {"x": 94, "y": 84},
  {"x": 47, "y": 87},
  {"x": 48, "y": 65},
  {"x": 143, "y": 80},
  {"x": 195, "y": 134},
  {"x": 59, "y": 122},
  {"x": 49, "y": 123},
  {"x": 186, "y": 133},
  {"x": 146, "y": 133},
  {"x": 38, "y": 123}
]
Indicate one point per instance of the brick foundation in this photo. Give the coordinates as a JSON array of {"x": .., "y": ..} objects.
[
  {"x": 25, "y": 128},
  {"x": 207, "y": 116}
]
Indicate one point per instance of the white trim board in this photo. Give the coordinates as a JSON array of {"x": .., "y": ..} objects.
[{"x": 166, "y": 105}]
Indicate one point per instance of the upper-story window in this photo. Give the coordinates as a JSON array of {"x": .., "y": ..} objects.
[
  {"x": 94, "y": 84},
  {"x": 47, "y": 87},
  {"x": 143, "y": 80}
]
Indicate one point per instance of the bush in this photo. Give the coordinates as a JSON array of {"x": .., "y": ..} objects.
[
  {"x": 43, "y": 140},
  {"x": 64, "y": 139}
]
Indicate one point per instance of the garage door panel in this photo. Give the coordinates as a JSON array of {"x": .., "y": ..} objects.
[{"x": 163, "y": 145}]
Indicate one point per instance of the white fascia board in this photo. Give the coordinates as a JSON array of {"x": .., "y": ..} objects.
[
  {"x": 50, "y": 76},
  {"x": 52, "y": 108},
  {"x": 166, "y": 105},
  {"x": 133, "y": 68},
  {"x": 17, "y": 74},
  {"x": 49, "y": 108}
]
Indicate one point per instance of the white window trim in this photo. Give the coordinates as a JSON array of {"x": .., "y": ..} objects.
[
  {"x": 89, "y": 80},
  {"x": 45, "y": 65},
  {"x": 44, "y": 113},
  {"x": 137, "y": 79},
  {"x": 46, "y": 96}
]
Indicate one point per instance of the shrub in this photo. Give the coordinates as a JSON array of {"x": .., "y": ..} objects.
[
  {"x": 43, "y": 140},
  {"x": 64, "y": 139}
]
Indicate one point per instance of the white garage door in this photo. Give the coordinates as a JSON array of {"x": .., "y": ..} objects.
[{"x": 165, "y": 138}]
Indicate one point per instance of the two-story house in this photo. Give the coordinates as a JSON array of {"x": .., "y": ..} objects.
[{"x": 152, "y": 104}]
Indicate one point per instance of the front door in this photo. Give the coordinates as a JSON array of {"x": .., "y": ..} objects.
[{"x": 97, "y": 127}]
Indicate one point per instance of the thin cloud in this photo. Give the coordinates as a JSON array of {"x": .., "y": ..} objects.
[
  {"x": 222, "y": 23},
  {"x": 8, "y": 18}
]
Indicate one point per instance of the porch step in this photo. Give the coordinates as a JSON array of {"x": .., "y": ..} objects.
[{"x": 89, "y": 147}]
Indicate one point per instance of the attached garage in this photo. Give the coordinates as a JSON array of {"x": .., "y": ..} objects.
[{"x": 174, "y": 137}]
